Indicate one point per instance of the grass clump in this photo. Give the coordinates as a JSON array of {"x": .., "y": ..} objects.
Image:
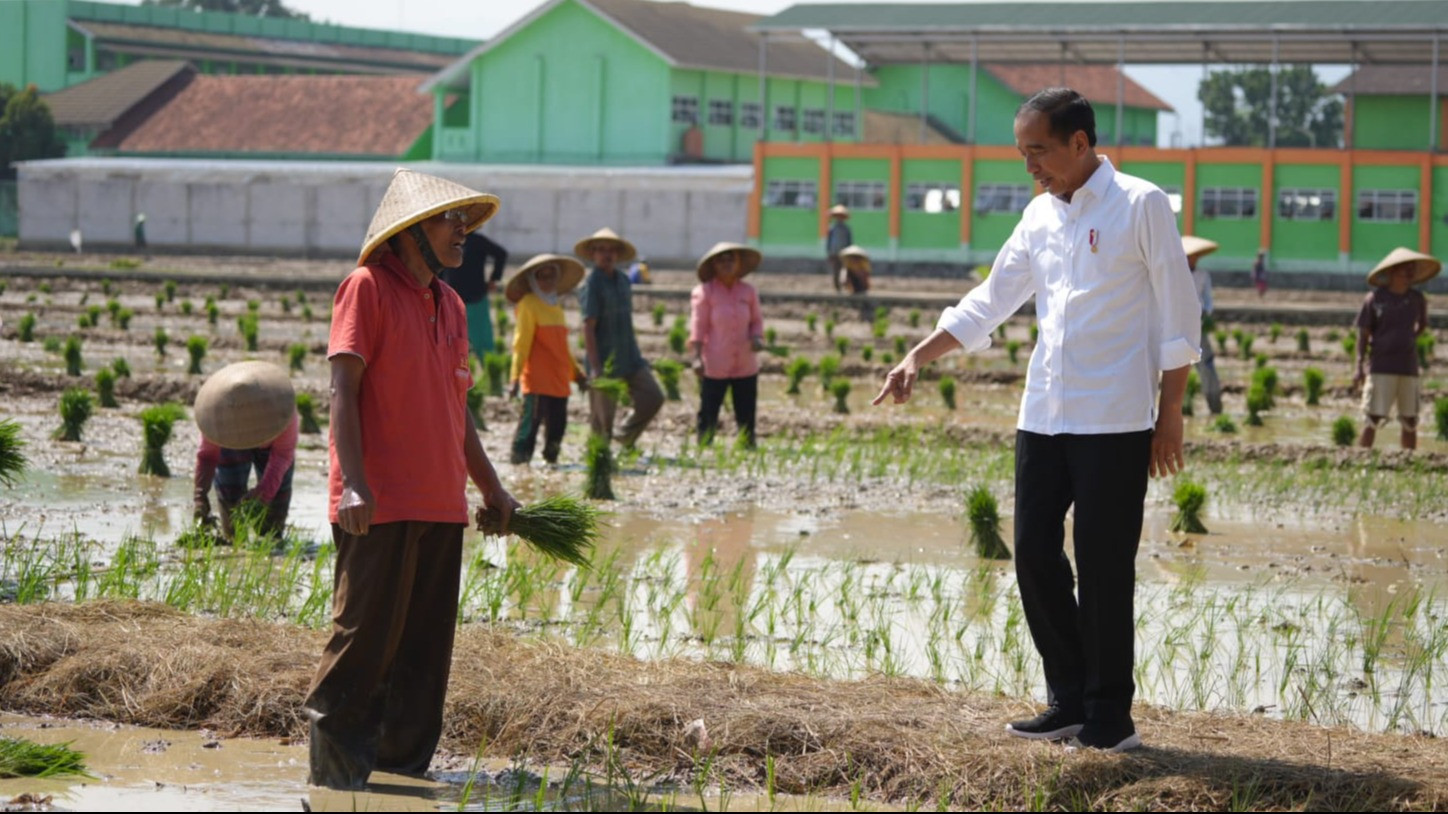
[
  {"x": 296, "y": 356},
  {"x": 106, "y": 387},
  {"x": 1312, "y": 382},
  {"x": 73, "y": 361},
  {"x": 598, "y": 460},
  {"x": 1224, "y": 425},
  {"x": 1344, "y": 432},
  {"x": 560, "y": 526},
  {"x": 196, "y": 349},
  {"x": 669, "y": 371},
  {"x": 76, "y": 406},
  {"x": 12, "y": 456},
  {"x": 247, "y": 325},
  {"x": 984, "y": 518},
  {"x": 798, "y": 368},
  {"x": 1190, "y": 498},
  {"x": 947, "y": 392},
  {"x": 840, "y": 389},
  {"x": 307, "y": 414},
  {"x": 157, "y": 423},
  {"x": 22, "y": 758}
]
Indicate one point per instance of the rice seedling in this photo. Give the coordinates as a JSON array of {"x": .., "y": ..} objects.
[
  {"x": 914, "y": 317},
  {"x": 1222, "y": 341},
  {"x": 157, "y": 423},
  {"x": 1426, "y": 345},
  {"x": 867, "y": 353},
  {"x": 196, "y": 346},
  {"x": 22, "y": 758},
  {"x": 1257, "y": 402},
  {"x": 307, "y": 314},
  {"x": 678, "y": 339},
  {"x": 1190, "y": 498},
  {"x": 830, "y": 329},
  {"x": 495, "y": 367},
  {"x": 840, "y": 389},
  {"x": 187, "y": 307},
  {"x": 73, "y": 360},
  {"x": 286, "y": 303},
  {"x": 121, "y": 367},
  {"x": 213, "y": 312},
  {"x": 503, "y": 323},
  {"x": 842, "y": 346},
  {"x": 113, "y": 307},
  {"x": 1440, "y": 418},
  {"x": 76, "y": 407},
  {"x": 82, "y": 321},
  {"x": 947, "y": 392},
  {"x": 25, "y": 328},
  {"x": 615, "y": 389},
  {"x": 1245, "y": 345},
  {"x": 559, "y": 526},
  {"x": 1001, "y": 330},
  {"x": 107, "y": 287},
  {"x": 887, "y": 359},
  {"x": 247, "y": 325},
  {"x": 1224, "y": 424},
  {"x": 223, "y": 291},
  {"x": 301, "y": 296},
  {"x": 123, "y": 319},
  {"x": 296, "y": 356},
  {"x": 1274, "y": 332},
  {"x": 52, "y": 344},
  {"x": 12, "y": 455},
  {"x": 1349, "y": 344},
  {"x": 1035, "y": 332},
  {"x": 1304, "y": 341},
  {"x": 160, "y": 301},
  {"x": 1344, "y": 432},
  {"x": 795, "y": 371},
  {"x": 984, "y": 518},
  {"x": 1194, "y": 386},
  {"x": 669, "y": 371},
  {"x": 1312, "y": 382},
  {"x": 659, "y": 313},
  {"x": 829, "y": 367},
  {"x": 1013, "y": 350},
  {"x": 475, "y": 396},
  {"x": 253, "y": 306},
  {"x": 169, "y": 287},
  {"x": 106, "y": 387},
  {"x": 1267, "y": 377},
  {"x": 1259, "y": 360},
  {"x": 598, "y": 460},
  {"x": 879, "y": 328},
  {"x": 307, "y": 414},
  {"x": 93, "y": 314}
]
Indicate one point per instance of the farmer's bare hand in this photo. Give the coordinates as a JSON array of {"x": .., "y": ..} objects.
[
  {"x": 756, "y": 344},
  {"x": 499, "y": 500},
  {"x": 514, "y": 389},
  {"x": 1167, "y": 457},
  {"x": 699, "y": 366},
  {"x": 355, "y": 509},
  {"x": 899, "y": 382},
  {"x": 1358, "y": 378}
]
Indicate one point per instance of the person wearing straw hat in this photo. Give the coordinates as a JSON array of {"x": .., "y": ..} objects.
[
  {"x": 247, "y": 416},
  {"x": 1392, "y": 317},
  {"x": 855, "y": 275},
  {"x": 608, "y": 336},
  {"x": 402, "y": 449},
  {"x": 543, "y": 366},
  {"x": 473, "y": 283},
  {"x": 1196, "y": 248},
  {"x": 836, "y": 240},
  {"x": 726, "y": 330}
]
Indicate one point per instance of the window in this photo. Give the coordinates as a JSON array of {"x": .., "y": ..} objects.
[
  {"x": 1229, "y": 203},
  {"x": 721, "y": 112},
  {"x": 1307, "y": 204},
  {"x": 814, "y": 120},
  {"x": 750, "y": 115},
  {"x": 861, "y": 195},
  {"x": 783, "y": 118},
  {"x": 1002, "y": 198},
  {"x": 1388, "y": 205},
  {"x": 791, "y": 194},
  {"x": 932, "y": 197},
  {"x": 686, "y": 109},
  {"x": 845, "y": 124}
]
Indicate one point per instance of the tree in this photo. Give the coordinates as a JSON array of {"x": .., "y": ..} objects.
[
  {"x": 1238, "y": 106},
  {"x": 27, "y": 129},
  {"x": 251, "y": 8}
]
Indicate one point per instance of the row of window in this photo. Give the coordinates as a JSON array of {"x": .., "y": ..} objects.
[
  {"x": 685, "y": 110},
  {"x": 1219, "y": 203}
]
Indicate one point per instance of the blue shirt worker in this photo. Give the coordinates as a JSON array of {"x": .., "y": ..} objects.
[{"x": 608, "y": 335}]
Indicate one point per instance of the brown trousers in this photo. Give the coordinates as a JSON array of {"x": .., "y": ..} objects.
[
  {"x": 377, "y": 699},
  {"x": 647, "y": 398}
]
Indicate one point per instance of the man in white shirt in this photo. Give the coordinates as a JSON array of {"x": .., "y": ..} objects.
[{"x": 1119, "y": 329}]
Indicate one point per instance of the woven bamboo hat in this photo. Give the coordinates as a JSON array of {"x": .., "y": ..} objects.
[
  {"x": 245, "y": 405},
  {"x": 584, "y": 247},
  {"x": 1195, "y": 246},
  {"x": 840, "y": 209},
  {"x": 413, "y": 197},
  {"x": 1425, "y": 267},
  {"x": 749, "y": 258},
  {"x": 570, "y": 274},
  {"x": 858, "y": 253}
]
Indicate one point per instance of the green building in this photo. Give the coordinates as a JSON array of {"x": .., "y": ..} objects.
[
  {"x": 634, "y": 82},
  {"x": 1396, "y": 107}
]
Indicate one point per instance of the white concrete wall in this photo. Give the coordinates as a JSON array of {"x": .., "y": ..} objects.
[{"x": 323, "y": 209}]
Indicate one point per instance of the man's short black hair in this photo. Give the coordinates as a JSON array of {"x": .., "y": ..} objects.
[{"x": 1067, "y": 111}]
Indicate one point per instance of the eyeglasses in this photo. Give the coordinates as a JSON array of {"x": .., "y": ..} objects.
[{"x": 459, "y": 215}]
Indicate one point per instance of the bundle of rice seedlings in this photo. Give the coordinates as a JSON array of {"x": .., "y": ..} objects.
[
  {"x": 1344, "y": 432},
  {"x": 73, "y": 361},
  {"x": 224, "y": 291},
  {"x": 1190, "y": 498},
  {"x": 887, "y": 359},
  {"x": 160, "y": 300},
  {"x": 901, "y": 346},
  {"x": 947, "y": 392},
  {"x": 198, "y": 536},
  {"x": 1304, "y": 341},
  {"x": 881, "y": 312},
  {"x": 1312, "y": 381},
  {"x": 26, "y": 328},
  {"x": 829, "y": 368},
  {"x": 502, "y": 322},
  {"x": 286, "y": 304},
  {"x": 1349, "y": 344},
  {"x": 985, "y": 525},
  {"x": 247, "y": 325},
  {"x": 82, "y": 321},
  {"x": 495, "y": 365},
  {"x": 156, "y": 425},
  {"x": 1245, "y": 344},
  {"x": 307, "y": 414},
  {"x": 52, "y": 344},
  {"x": 301, "y": 297},
  {"x": 560, "y": 526},
  {"x": 880, "y": 328},
  {"x": 867, "y": 353},
  {"x": 1222, "y": 342},
  {"x": 22, "y": 758},
  {"x": 161, "y": 339},
  {"x": 598, "y": 461},
  {"x": 1035, "y": 332},
  {"x": 669, "y": 371},
  {"x": 770, "y": 336},
  {"x": 1013, "y": 350},
  {"x": 475, "y": 404},
  {"x": 123, "y": 319},
  {"x": 842, "y": 347},
  {"x": 296, "y": 356},
  {"x": 1194, "y": 386},
  {"x": 113, "y": 308},
  {"x": 1259, "y": 360},
  {"x": 1267, "y": 377},
  {"x": 1224, "y": 425},
  {"x": 811, "y": 321},
  {"x": 796, "y": 370},
  {"x": 253, "y": 306},
  {"x": 187, "y": 306},
  {"x": 1257, "y": 401},
  {"x": 106, "y": 387},
  {"x": 307, "y": 313},
  {"x": 659, "y": 312},
  {"x": 1440, "y": 418},
  {"x": 94, "y": 313},
  {"x": 678, "y": 339},
  {"x": 1426, "y": 345},
  {"x": 76, "y": 407},
  {"x": 915, "y": 317},
  {"x": 107, "y": 287},
  {"x": 170, "y": 288},
  {"x": 830, "y": 329},
  {"x": 615, "y": 389},
  {"x": 212, "y": 311},
  {"x": 1274, "y": 332},
  {"x": 122, "y": 368},
  {"x": 12, "y": 457},
  {"x": 840, "y": 389},
  {"x": 196, "y": 349}
]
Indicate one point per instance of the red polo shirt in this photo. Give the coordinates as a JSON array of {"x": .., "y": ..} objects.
[{"x": 413, "y": 399}]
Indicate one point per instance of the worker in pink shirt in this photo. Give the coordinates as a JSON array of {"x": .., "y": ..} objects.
[
  {"x": 248, "y": 420},
  {"x": 726, "y": 330}
]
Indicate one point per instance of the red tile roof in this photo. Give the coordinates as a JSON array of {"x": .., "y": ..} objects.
[
  {"x": 363, "y": 116},
  {"x": 1096, "y": 82}
]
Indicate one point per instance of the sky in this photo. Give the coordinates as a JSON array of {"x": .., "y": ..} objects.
[{"x": 481, "y": 19}]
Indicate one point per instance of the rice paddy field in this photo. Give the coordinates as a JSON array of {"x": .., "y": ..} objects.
[{"x": 805, "y": 625}]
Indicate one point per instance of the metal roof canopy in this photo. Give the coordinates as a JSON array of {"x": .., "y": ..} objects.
[{"x": 1227, "y": 31}]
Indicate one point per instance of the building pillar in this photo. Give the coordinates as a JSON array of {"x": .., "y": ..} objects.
[
  {"x": 1433, "y": 108},
  {"x": 974, "y": 89},
  {"x": 826, "y": 195},
  {"x": 1272, "y": 103},
  {"x": 896, "y": 154},
  {"x": 1120, "y": 91},
  {"x": 1345, "y": 211},
  {"x": 924, "y": 89},
  {"x": 1267, "y": 207},
  {"x": 859, "y": 103},
  {"x": 1425, "y": 204},
  {"x": 967, "y": 196},
  {"x": 830, "y": 94},
  {"x": 1189, "y": 194},
  {"x": 763, "y": 86}
]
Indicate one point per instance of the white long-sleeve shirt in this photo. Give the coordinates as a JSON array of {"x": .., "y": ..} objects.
[{"x": 1114, "y": 300}]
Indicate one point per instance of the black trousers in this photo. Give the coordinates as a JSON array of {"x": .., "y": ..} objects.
[
  {"x": 549, "y": 412},
  {"x": 711, "y": 398},
  {"x": 1085, "y": 636}
]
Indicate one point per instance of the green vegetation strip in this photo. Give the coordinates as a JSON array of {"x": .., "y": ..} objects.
[{"x": 22, "y": 758}]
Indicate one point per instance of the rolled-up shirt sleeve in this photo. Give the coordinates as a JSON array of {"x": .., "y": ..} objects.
[
  {"x": 986, "y": 306},
  {"x": 1179, "y": 331}
]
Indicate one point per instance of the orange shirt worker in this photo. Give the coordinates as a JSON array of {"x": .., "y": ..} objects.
[{"x": 402, "y": 448}]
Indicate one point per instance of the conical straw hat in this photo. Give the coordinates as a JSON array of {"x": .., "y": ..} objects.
[
  {"x": 245, "y": 405},
  {"x": 839, "y": 209},
  {"x": 570, "y": 274},
  {"x": 1425, "y": 267},
  {"x": 1194, "y": 246},
  {"x": 584, "y": 249},
  {"x": 413, "y": 197},
  {"x": 749, "y": 259},
  {"x": 855, "y": 251}
]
